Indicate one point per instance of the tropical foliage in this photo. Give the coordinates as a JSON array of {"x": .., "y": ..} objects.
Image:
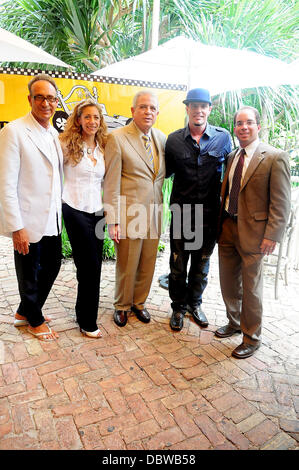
[{"x": 90, "y": 34}]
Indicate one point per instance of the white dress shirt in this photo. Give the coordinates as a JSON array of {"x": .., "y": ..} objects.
[
  {"x": 83, "y": 183},
  {"x": 250, "y": 149},
  {"x": 53, "y": 226}
]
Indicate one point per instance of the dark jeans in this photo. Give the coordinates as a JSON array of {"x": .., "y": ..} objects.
[
  {"x": 87, "y": 253},
  {"x": 183, "y": 291},
  {"x": 36, "y": 273}
]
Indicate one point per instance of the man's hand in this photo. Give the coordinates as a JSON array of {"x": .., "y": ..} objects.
[
  {"x": 267, "y": 246},
  {"x": 114, "y": 232},
  {"x": 21, "y": 241}
]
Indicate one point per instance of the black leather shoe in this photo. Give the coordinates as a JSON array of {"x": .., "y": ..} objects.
[
  {"x": 199, "y": 316},
  {"x": 120, "y": 317},
  {"x": 245, "y": 350},
  {"x": 142, "y": 315},
  {"x": 226, "y": 331},
  {"x": 177, "y": 320}
]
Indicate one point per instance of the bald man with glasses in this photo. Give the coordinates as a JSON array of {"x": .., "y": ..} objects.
[{"x": 31, "y": 173}]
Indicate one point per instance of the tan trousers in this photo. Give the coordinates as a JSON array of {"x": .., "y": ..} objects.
[
  {"x": 241, "y": 280},
  {"x": 135, "y": 266}
]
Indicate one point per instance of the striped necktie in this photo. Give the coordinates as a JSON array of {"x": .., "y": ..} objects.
[
  {"x": 235, "y": 189},
  {"x": 149, "y": 150}
]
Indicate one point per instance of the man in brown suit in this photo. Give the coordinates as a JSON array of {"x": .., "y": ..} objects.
[
  {"x": 135, "y": 170},
  {"x": 254, "y": 213}
]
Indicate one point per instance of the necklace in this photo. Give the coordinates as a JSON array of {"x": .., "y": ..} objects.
[{"x": 89, "y": 150}]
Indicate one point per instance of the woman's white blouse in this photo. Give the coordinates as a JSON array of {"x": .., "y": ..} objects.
[{"x": 83, "y": 183}]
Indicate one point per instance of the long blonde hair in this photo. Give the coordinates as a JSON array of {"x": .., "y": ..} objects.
[{"x": 71, "y": 138}]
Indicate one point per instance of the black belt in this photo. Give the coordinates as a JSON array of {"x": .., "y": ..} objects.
[{"x": 229, "y": 216}]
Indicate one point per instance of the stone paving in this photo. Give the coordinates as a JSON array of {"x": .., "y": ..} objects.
[{"x": 145, "y": 386}]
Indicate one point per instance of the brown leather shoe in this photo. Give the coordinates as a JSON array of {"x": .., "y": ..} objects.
[
  {"x": 245, "y": 350},
  {"x": 226, "y": 331},
  {"x": 120, "y": 317},
  {"x": 142, "y": 315}
]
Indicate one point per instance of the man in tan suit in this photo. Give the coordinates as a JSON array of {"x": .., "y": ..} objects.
[
  {"x": 255, "y": 205},
  {"x": 135, "y": 170}
]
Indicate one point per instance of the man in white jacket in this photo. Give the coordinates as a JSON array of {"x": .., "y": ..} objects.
[{"x": 31, "y": 173}]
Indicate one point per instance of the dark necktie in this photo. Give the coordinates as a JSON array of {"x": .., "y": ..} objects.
[{"x": 235, "y": 189}]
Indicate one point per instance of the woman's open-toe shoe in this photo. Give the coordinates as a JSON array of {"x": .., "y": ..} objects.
[
  {"x": 43, "y": 335},
  {"x": 24, "y": 322},
  {"x": 18, "y": 322}
]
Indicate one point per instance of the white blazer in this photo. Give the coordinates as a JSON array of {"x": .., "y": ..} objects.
[{"x": 26, "y": 178}]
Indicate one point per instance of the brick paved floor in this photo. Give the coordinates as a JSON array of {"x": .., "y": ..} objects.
[{"x": 145, "y": 386}]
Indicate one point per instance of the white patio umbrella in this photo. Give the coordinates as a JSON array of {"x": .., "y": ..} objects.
[
  {"x": 183, "y": 61},
  {"x": 293, "y": 69},
  {"x": 15, "y": 49}
]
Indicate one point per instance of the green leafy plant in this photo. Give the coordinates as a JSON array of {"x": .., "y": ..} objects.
[
  {"x": 66, "y": 246},
  {"x": 161, "y": 247},
  {"x": 166, "y": 189},
  {"x": 90, "y": 34},
  {"x": 108, "y": 246}
]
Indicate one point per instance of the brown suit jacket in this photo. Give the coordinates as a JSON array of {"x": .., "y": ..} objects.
[
  {"x": 132, "y": 191},
  {"x": 264, "y": 198}
]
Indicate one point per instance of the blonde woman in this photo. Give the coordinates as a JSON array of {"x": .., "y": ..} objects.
[{"x": 83, "y": 142}]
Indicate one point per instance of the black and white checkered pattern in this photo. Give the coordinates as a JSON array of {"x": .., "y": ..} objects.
[{"x": 91, "y": 78}]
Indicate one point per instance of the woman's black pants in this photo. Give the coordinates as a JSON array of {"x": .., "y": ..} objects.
[{"x": 86, "y": 234}]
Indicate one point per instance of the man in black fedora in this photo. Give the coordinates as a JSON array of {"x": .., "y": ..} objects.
[{"x": 194, "y": 155}]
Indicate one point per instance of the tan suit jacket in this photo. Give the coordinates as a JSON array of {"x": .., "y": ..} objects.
[
  {"x": 264, "y": 198},
  {"x": 132, "y": 190}
]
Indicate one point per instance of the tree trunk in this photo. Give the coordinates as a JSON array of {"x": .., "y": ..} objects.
[
  {"x": 155, "y": 24},
  {"x": 264, "y": 132}
]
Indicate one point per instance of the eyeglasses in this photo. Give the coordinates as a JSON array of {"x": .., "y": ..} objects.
[
  {"x": 145, "y": 107},
  {"x": 49, "y": 98},
  {"x": 248, "y": 123}
]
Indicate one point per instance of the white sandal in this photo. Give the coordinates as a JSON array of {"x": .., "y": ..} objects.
[
  {"x": 17, "y": 322},
  {"x": 92, "y": 334},
  {"x": 20, "y": 322},
  {"x": 43, "y": 333}
]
